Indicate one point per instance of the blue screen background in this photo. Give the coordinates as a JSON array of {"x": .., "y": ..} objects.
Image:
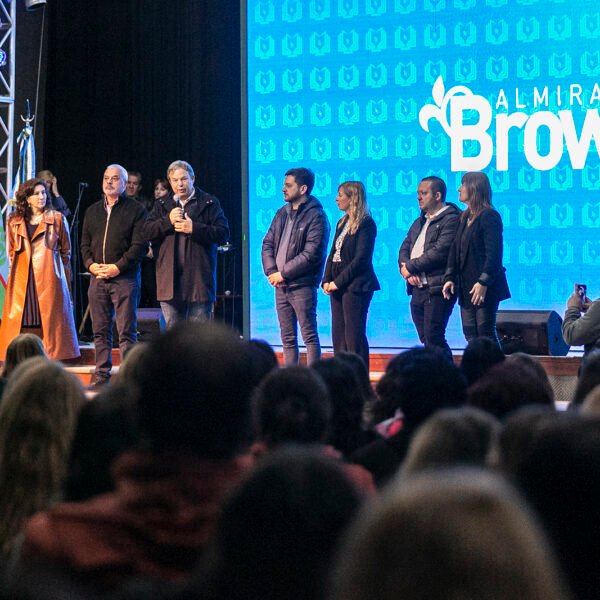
[{"x": 337, "y": 86}]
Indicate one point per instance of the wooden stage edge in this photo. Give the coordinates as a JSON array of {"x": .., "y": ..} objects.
[{"x": 555, "y": 366}]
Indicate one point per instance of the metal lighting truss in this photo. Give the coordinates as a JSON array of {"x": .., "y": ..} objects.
[{"x": 8, "y": 12}]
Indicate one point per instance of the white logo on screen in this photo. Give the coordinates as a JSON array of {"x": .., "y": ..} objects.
[{"x": 558, "y": 127}]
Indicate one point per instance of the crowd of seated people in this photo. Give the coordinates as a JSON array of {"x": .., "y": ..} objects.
[{"x": 205, "y": 470}]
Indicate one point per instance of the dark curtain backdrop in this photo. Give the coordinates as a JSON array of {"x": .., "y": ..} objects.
[{"x": 143, "y": 83}]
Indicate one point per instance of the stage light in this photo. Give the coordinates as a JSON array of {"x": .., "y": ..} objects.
[{"x": 33, "y": 4}]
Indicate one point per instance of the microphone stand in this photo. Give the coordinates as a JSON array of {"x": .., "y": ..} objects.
[{"x": 76, "y": 254}]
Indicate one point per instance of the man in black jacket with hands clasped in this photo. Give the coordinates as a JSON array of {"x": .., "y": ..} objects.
[
  {"x": 422, "y": 262},
  {"x": 112, "y": 247}
]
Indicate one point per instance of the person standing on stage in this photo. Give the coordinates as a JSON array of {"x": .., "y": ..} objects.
[
  {"x": 293, "y": 257},
  {"x": 112, "y": 246},
  {"x": 349, "y": 278},
  {"x": 57, "y": 202},
  {"x": 475, "y": 272},
  {"x": 422, "y": 262},
  {"x": 38, "y": 291},
  {"x": 184, "y": 232}
]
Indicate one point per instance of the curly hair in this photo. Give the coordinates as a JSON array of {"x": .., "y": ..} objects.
[{"x": 25, "y": 190}]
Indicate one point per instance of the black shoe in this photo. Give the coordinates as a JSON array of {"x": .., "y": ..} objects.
[{"x": 98, "y": 383}]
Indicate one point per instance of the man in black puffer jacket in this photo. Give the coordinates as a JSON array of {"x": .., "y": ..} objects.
[
  {"x": 422, "y": 261},
  {"x": 293, "y": 257}
]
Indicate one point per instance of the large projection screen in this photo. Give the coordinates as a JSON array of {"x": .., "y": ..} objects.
[{"x": 390, "y": 91}]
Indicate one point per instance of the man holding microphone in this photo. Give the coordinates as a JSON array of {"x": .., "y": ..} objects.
[{"x": 185, "y": 232}]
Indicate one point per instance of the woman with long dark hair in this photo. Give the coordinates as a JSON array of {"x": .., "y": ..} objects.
[
  {"x": 38, "y": 292},
  {"x": 475, "y": 272},
  {"x": 349, "y": 278}
]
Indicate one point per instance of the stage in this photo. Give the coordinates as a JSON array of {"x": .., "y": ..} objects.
[{"x": 562, "y": 370}]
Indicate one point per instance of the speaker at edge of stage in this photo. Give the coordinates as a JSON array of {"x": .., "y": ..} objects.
[{"x": 33, "y": 4}]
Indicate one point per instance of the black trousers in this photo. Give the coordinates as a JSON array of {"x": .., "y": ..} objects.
[
  {"x": 349, "y": 323},
  {"x": 479, "y": 321},
  {"x": 430, "y": 314}
]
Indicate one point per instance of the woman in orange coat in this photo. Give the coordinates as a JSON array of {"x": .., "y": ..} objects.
[{"x": 38, "y": 296}]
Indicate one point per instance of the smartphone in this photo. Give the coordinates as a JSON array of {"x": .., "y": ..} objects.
[{"x": 581, "y": 289}]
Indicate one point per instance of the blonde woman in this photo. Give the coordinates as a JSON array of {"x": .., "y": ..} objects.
[
  {"x": 349, "y": 278},
  {"x": 38, "y": 414}
]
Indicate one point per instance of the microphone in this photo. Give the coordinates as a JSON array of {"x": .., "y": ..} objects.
[{"x": 83, "y": 184}]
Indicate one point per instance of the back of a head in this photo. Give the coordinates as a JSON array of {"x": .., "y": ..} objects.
[
  {"x": 262, "y": 358},
  {"x": 506, "y": 387},
  {"x": 131, "y": 370},
  {"x": 589, "y": 377},
  {"x": 347, "y": 402},
  {"x": 480, "y": 354},
  {"x": 22, "y": 347},
  {"x": 453, "y": 437},
  {"x": 278, "y": 531},
  {"x": 518, "y": 434},
  {"x": 37, "y": 420},
  {"x": 106, "y": 428},
  {"x": 292, "y": 407},
  {"x": 360, "y": 370},
  {"x": 531, "y": 363},
  {"x": 560, "y": 476},
  {"x": 457, "y": 534},
  {"x": 194, "y": 393},
  {"x": 419, "y": 382}
]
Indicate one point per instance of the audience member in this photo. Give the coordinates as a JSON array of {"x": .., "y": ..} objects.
[
  {"x": 263, "y": 359},
  {"x": 106, "y": 428},
  {"x": 279, "y": 530},
  {"x": 581, "y": 323},
  {"x": 292, "y": 407},
  {"x": 588, "y": 379},
  {"x": 22, "y": 347},
  {"x": 591, "y": 404},
  {"x": 458, "y": 534},
  {"x": 507, "y": 387},
  {"x": 417, "y": 382},
  {"x": 193, "y": 410},
  {"x": 347, "y": 432},
  {"x": 453, "y": 437},
  {"x": 131, "y": 370},
  {"x": 364, "y": 385},
  {"x": 37, "y": 420},
  {"x": 518, "y": 434},
  {"x": 535, "y": 366},
  {"x": 479, "y": 356},
  {"x": 560, "y": 476}
]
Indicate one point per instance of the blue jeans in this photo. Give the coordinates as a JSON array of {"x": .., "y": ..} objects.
[
  {"x": 430, "y": 314},
  {"x": 298, "y": 306},
  {"x": 110, "y": 299},
  {"x": 179, "y": 310}
]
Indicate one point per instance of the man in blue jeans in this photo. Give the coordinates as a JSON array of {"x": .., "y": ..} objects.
[
  {"x": 293, "y": 257},
  {"x": 185, "y": 231},
  {"x": 112, "y": 246}
]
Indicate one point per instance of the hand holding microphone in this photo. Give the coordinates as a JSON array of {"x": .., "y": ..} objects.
[{"x": 176, "y": 215}]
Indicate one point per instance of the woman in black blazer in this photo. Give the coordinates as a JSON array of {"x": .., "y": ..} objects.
[
  {"x": 349, "y": 278},
  {"x": 475, "y": 270}
]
